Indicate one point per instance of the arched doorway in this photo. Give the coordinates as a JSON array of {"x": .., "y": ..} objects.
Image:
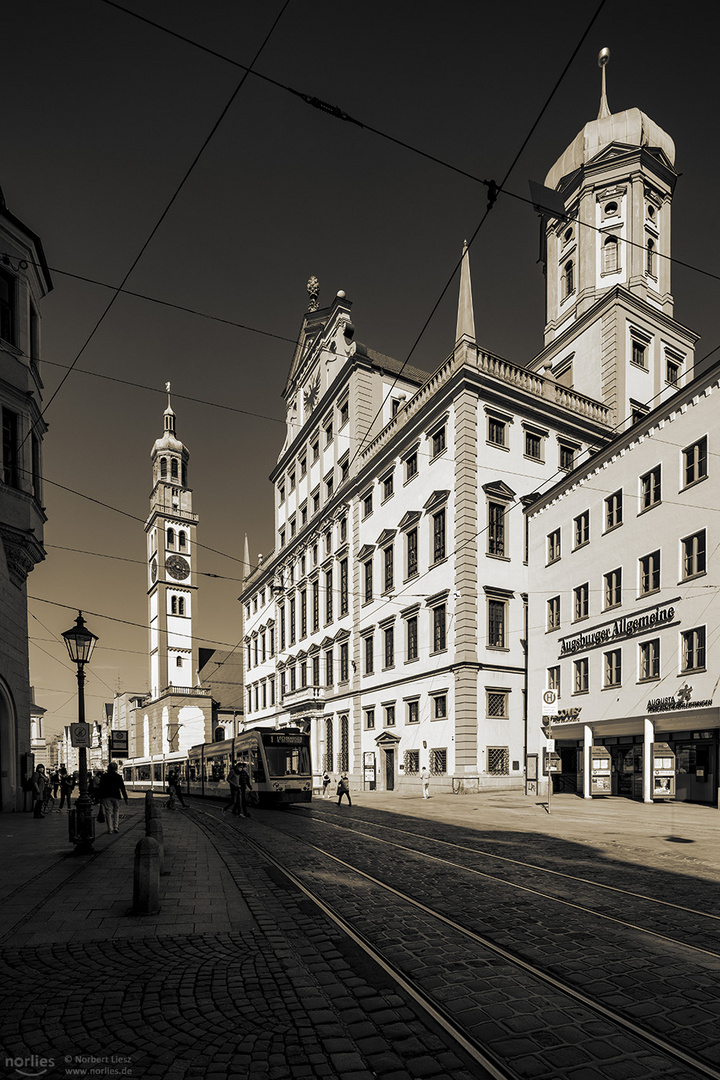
[{"x": 8, "y": 749}]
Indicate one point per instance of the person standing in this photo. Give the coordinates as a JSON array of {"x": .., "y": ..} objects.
[
  {"x": 245, "y": 785},
  {"x": 425, "y": 777},
  {"x": 55, "y": 781},
  {"x": 326, "y": 784},
  {"x": 344, "y": 789},
  {"x": 67, "y": 783},
  {"x": 233, "y": 780},
  {"x": 174, "y": 786},
  {"x": 38, "y": 781},
  {"x": 112, "y": 789}
]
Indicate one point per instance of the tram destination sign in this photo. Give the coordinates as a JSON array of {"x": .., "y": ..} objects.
[{"x": 620, "y": 628}]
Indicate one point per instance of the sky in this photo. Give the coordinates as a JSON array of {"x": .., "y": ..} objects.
[{"x": 103, "y": 117}]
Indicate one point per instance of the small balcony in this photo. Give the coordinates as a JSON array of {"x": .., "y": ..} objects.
[{"x": 305, "y": 698}]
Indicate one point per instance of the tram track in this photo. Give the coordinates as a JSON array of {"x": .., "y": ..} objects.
[{"x": 470, "y": 958}]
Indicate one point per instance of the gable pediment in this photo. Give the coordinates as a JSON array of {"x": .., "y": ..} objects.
[{"x": 499, "y": 489}]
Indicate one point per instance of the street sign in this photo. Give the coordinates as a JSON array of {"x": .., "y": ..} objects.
[
  {"x": 80, "y": 734},
  {"x": 118, "y": 743},
  {"x": 549, "y": 702},
  {"x": 550, "y": 746}
]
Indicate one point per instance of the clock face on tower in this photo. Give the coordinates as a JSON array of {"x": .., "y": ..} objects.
[
  {"x": 177, "y": 567},
  {"x": 153, "y": 570},
  {"x": 311, "y": 393}
]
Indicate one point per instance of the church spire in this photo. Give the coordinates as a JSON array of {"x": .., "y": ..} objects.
[
  {"x": 466, "y": 316},
  {"x": 603, "y": 57},
  {"x": 169, "y": 415}
]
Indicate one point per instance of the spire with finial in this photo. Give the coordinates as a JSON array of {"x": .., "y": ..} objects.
[
  {"x": 169, "y": 414},
  {"x": 466, "y": 315},
  {"x": 603, "y": 57}
]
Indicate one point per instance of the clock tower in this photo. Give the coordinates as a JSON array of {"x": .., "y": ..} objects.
[{"x": 172, "y": 578}]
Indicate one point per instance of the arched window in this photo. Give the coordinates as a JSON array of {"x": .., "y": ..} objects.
[
  {"x": 219, "y": 735},
  {"x": 650, "y": 264},
  {"x": 344, "y": 755},
  {"x": 173, "y": 605},
  {"x": 163, "y": 468},
  {"x": 182, "y": 539},
  {"x": 171, "y": 538},
  {"x": 610, "y": 254},
  {"x": 568, "y": 278},
  {"x": 329, "y": 752},
  {"x": 173, "y": 469},
  {"x": 181, "y": 605},
  {"x": 178, "y": 662}
]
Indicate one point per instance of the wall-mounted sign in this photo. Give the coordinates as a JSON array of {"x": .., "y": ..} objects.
[
  {"x": 118, "y": 743},
  {"x": 620, "y": 628}
]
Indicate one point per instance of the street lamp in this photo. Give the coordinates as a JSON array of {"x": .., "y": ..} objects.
[{"x": 80, "y": 644}]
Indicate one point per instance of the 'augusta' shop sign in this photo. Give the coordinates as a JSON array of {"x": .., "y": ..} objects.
[{"x": 621, "y": 628}]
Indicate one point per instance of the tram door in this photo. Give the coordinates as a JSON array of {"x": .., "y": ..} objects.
[{"x": 389, "y": 770}]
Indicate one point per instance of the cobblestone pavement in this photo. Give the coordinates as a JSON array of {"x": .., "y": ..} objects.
[{"x": 238, "y": 975}]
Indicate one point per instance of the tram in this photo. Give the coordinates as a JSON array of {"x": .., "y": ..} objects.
[{"x": 277, "y": 761}]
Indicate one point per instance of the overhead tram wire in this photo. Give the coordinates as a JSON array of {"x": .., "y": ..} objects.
[{"x": 164, "y": 213}]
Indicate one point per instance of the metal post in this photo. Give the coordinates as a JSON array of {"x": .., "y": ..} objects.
[{"x": 83, "y": 804}]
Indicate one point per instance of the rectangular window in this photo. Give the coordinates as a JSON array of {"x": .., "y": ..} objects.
[
  {"x": 438, "y": 762},
  {"x": 693, "y": 555},
  {"x": 496, "y": 529},
  {"x": 328, "y": 428},
  {"x": 388, "y": 485},
  {"x": 650, "y": 573},
  {"x": 389, "y": 634},
  {"x": 328, "y": 596},
  {"x": 650, "y": 660},
  {"x": 388, "y": 568},
  {"x": 695, "y": 462},
  {"x": 10, "y": 447},
  {"x": 272, "y": 691},
  {"x": 498, "y": 760},
  {"x": 553, "y": 613},
  {"x": 613, "y": 667},
  {"x": 303, "y": 466},
  {"x": 367, "y": 505},
  {"x": 303, "y": 674},
  {"x": 580, "y": 670},
  {"x": 553, "y": 678},
  {"x": 412, "y": 552},
  {"x": 344, "y": 601},
  {"x": 329, "y": 667},
  {"x": 369, "y": 718},
  {"x": 293, "y": 678},
  {"x": 271, "y": 645},
  {"x": 281, "y": 493},
  {"x": 497, "y": 430},
  {"x": 344, "y": 464},
  {"x": 411, "y": 466},
  {"x": 439, "y": 628},
  {"x": 582, "y": 601},
  {"x": 344, "y": 662},
  {"x": 344, "y": 413},
  {"x": 613, "y": 588},
  {"x": 439, "y": 707},
  {"x": 368, "y": 581},
  {"x": 329, "y": 486},
  {"x": 639, "y": 352},
  {"x": 613, "y": 510},
  {"x": 7, "y": 307},
  {"x": 389, "y": 711},
  {"x": 315, "y": 605},
  {"x": 282, "y": 627},
  {"x": 412, "y": 638},
  {"x": 438, "y": 441},
  {"x": 553, "y": 546},
  {"x": 497, "y": 610},
  {"x": 303, "y": 614},
  {"x": 291, "y": 623},
  {"x": 291, "y": 481},
  {"x": 412, "y": 762},
  {"x": 315, "y": 502},
  {"x": 439, "y": 536},
  {"x": 316, "y": 670},
  {"x": 567, "y": 457},
  {"x": 650, "y": 488},
  {"x": 582, "y": 529},
  {"x": 533, "y": 446},
  {"x": 496, "y": 704},
  {"x": 315, "y": 448},
  {"x": 693, "y": 650},
  {"x": 413, "y": 712},
  {"x": 369, "y": 647},
  {"x": 672, "y": 372}
]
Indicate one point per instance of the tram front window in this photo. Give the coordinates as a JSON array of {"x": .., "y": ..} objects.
[{"x": 288, "y": 760}]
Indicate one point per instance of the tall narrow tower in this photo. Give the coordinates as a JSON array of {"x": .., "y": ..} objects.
[{"x": 172, "y": 577}]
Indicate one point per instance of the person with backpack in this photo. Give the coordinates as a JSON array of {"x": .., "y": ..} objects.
[{"x": 344, "y": 789}]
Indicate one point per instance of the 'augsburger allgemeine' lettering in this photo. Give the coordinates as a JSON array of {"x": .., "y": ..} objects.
[{"x": 624, "y": 627}]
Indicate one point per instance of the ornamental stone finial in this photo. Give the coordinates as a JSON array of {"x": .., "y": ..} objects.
[{"x": 313, "y": 288}]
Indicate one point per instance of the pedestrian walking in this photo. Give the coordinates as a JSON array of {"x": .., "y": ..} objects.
[
  {"x": 174, "y": 786},
  {"x": 112, "y": 789},
  {"x": 38, "y": 781},
  {"x": 425, "y": 777},
  {"x": 55, "y": 781},
  {"x": 344, "y": 789},
  {"x": 245, "y": 785},
  {"x": 67, "y": 783},
  {"x": 326, "y": 784},
  {"x": 233, "y": 780}
]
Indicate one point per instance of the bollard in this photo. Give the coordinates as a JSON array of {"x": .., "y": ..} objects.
[
  {"x": 149, "y": 806},
  {"x": 146, "y": 882},
  {"x": 155, "y": 831}
]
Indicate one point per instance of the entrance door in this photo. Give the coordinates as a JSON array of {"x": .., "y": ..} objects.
[{"x": 389, "y": 770}]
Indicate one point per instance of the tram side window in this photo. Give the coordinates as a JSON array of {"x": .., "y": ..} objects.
[
  {"x": 288, "y": 760},
  {"x": 143, "y": 772}
]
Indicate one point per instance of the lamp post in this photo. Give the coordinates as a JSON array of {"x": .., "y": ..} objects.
[{"x": 80, "y": 644}]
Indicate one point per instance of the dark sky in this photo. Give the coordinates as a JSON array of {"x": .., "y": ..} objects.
[{"x": 102, "y": 117}]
